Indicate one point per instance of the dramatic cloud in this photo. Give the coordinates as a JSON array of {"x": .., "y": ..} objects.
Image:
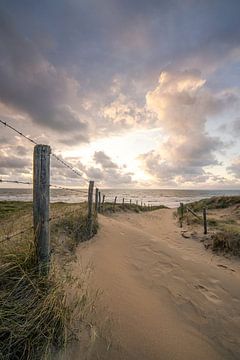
[
  {"x": 32, "y": 85},
  {"x": 109, "y": 173},
  {"x": 234, "y": 168},
  {"x": 183, "y": 104},
  {"x": 104, "y": 160}
]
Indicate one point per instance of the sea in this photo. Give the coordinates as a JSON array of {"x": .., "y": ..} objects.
[{"x": 170, "y": 198}]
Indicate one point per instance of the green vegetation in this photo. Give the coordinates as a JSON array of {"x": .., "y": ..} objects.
[
  {"x": 227, "y": 241},
  {"x": 224, "y": 225},
  {"x": 12, "y": 207},
  {"x": 109, "y": 208},
  {"x": 216, "y": 202}
]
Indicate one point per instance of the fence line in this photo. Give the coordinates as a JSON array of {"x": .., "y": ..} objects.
[
  {"x": 41, "y": 198},
  {"x": 63, "y": 162},
  {"x": 188, "y": 209}
]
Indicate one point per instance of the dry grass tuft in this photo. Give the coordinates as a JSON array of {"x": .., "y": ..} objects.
[{"x": 36, "y": 316}]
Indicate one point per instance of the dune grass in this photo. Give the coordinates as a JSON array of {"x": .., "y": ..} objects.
[
  {"x": 224, "y": 230},
  {"x": 108, "y": 208},
  {"x": 36, "y": 316},
  {"x": 215, "y": 202}
]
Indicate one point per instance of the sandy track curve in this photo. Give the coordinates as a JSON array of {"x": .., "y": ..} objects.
[{"x": 169, "y": 297}]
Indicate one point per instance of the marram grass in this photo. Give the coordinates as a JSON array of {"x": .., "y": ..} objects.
[
  {"x": 36, "y": 318},
  {"x": 33, "y": 311}
]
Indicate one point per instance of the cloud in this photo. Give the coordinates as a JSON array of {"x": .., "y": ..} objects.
[
  {"x": 182, "y": 104},
  {"x": 236, "y": 127},
  {"x": 32, "y": 85},
  {"x": 234, "y": 168},
  {"x": 109, "y": 173},
  {"x": 104, "y": 160}
]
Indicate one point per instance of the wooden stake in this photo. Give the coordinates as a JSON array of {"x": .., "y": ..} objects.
[
  {"x": 205, "y": 220},
  {"x": 96, "y": 199},
  {"x": 114, "y": 203},
  {"x": 99, "y": 201},
  {"x": 41, "y": 181},
  {"x": 103, "y": 199},
  {"x": 90, "y": 208},
  {"x": 181, "y": 215}
]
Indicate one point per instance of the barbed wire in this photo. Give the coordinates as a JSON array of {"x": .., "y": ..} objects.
[
  {"x": 66, "y": 188},
  {"x": 63, "y": 162},
  {"x": 52, "y": 218},
  {"x": 15, "y": 182},
  {"x": 67, "y": 165},
  {"x": 8, "y": 237},
  {"x": 51, "y": 185},
  {"x": 18, "y": 132}
]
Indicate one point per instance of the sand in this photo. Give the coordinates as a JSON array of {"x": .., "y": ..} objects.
[{"x": 168, "y": 297}]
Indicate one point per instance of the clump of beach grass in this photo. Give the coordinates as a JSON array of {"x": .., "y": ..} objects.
[
  {"x": 226, "y": 241},
  {"x": 36, "y": 315},
  {"x": 33, "y": 312},
  {"x": 108, "y": 208},
  {"x": 215, "y": 202}
]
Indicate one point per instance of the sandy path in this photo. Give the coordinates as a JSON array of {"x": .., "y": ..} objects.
[{"x": 170, "y": 298}]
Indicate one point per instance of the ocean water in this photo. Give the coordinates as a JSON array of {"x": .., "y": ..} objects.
[{"x": 170, "y": 198}]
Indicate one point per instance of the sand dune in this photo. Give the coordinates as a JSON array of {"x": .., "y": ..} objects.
[{"x": 168, "y": 296}]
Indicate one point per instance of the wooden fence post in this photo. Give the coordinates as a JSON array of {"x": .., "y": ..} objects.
[
  {"x": 90, "y": 208},
  {"x": 103, "y": 199},
  {"x": 205, "y": 220},
  {"x": 41, "y": 182},
  {"x": 123, "y": 202},
  {"x": 99, "y": 201},
  {"x": 130, "y": 201},
  {"x": 181, "y": 214},
  {"x": 114, "y": 203},
  {"x": 187, "y": 216},
  {"x": 96, "y": 200}
]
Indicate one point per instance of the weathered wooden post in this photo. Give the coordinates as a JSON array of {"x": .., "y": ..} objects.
[
  {"x": 96, "y": 199},
  {"x": 187, "y": 215},
  {"x": 130, "y": 201},
  {"x": 103, "y": 199},
  {"x": 123, "y": 202},
  {"x": 114, "y": 203},
  {"x": 205, "y": 220},
  {"x": 41, "y": 182},
  {"x": 90, "y": 208},
  {"x": 99, "y": 201},
  {"x": 181, "y": 215}
]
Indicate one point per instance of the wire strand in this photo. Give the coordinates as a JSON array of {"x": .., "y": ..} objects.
[
  {"x": 63, "y": 162},
  {"x": 51, "y": 185},
  {"x": 9, "y": 237},
  {"x": 15, "y": 182},
  {"x": 18, "y": 132}
]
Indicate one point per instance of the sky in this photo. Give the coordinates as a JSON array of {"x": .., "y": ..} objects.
[{"x": 132, "y": 93}]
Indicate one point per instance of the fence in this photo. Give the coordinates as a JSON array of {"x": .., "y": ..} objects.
[
  {"x": 203, "y": 219},
  {"x": 41, "y": 198}
]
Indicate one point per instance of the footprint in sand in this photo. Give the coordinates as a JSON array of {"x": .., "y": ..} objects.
[
  {"x": 225, "y": 267},
  {"x": 209, "y": 295}
]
